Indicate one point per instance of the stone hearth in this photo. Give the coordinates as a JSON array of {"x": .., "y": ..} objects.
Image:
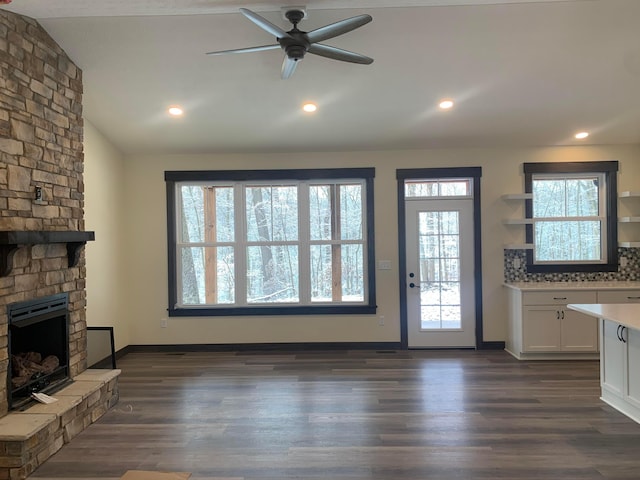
[{"x": 29, "y": 437}]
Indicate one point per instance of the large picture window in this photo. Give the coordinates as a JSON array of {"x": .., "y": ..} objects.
[
  {"x": 574, "y": 216},
  {"x": 271, "y": 242}
]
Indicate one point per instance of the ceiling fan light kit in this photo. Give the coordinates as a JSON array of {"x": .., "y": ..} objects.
[{"x": 296, "y": 43}]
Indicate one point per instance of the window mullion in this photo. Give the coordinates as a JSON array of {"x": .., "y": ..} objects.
[
  {"x": 336, "y": 248},
  {"x": 304, "y": 247},
  {"x": 240, "y": 254}
]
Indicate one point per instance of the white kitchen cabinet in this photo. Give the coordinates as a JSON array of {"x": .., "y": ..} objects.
[
  {"x": 619, "y": 372},
  {"x": 542, "y": 327},
  {"x": 548, "y": 326},
  {"x": 612, "y": 368},
  {"x": 619, "y": 325}
]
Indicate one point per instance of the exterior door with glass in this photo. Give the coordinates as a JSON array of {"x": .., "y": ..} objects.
[{"x": 440, "y": 273}]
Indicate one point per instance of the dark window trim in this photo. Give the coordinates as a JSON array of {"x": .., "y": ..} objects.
[
  {"x": 432, "y": 173},
  {"x": 266, "y": 175},
  {"x": 172, "y": 177},
  {"x": 610, "y": 170}
]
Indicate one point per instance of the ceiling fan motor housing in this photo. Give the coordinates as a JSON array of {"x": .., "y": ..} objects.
[{"x": 297, "y": 43}]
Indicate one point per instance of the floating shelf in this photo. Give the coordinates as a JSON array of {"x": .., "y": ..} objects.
[
  {"x": 518, "y": 246},
  {"x": 10, "y": 241},
  {"x": 518, "y": 221},
  {"x": 628, "y": 219},
  {"x": 518, "y": 196},
  {"x": 629, "y": 194},
  {"x": 629, "y": 244}
]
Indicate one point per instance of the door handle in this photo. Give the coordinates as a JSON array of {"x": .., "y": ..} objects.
[
  {"x": 618, "y": 332},
  {"x": 624, "y": 340}
]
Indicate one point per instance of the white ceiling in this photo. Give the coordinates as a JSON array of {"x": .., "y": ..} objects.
[{"x": 522, "y": 73}]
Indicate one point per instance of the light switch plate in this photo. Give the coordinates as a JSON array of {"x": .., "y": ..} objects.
[{"x": 384, "y": 264}]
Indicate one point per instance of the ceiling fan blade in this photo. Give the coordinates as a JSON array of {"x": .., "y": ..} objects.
[
  {"x": 338, "y": 28},
  {"x": 264, "y": 23},
  {"x": 245, "y": 50},
  {"x": 339, "y": 54},
  {"x": 288, "y": 67}
]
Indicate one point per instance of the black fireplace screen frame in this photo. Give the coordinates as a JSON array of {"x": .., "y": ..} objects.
[{"x": 30, "y": 313}]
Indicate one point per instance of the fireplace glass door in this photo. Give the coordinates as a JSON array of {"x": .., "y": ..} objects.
[{"x": 38, "y": 347}]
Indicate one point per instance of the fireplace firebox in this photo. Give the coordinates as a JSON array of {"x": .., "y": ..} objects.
[{"x": 38, "y": 348}]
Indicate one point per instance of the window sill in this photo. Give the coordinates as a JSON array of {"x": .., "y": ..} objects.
[{"x": 275, "y": 310}]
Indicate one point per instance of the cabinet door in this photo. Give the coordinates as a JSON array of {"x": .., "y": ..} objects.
[
  {"x": 579, "y": 332},
  {"x": 612, "y": 359},
  {"x": 632, "y": 387},
  {"x": 541, "y": 329}
]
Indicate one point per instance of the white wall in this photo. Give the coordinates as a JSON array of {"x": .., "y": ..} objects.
[
  {"x": 145, "y": 274},
  {"x": 104, "y": 175}
]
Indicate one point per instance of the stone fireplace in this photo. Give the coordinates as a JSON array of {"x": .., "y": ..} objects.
[
  {"x": 41, "y": 182},
  {"x": 41, "y": 249}
]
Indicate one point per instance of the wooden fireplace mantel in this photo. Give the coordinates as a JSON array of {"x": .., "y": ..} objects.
[{"x": 10, "y": 241}]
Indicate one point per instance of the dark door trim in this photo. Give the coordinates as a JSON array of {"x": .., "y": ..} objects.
[{"x": 427, "y": 173}]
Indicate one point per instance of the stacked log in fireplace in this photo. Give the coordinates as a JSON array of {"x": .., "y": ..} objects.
[{"x": 31, "y": 366}]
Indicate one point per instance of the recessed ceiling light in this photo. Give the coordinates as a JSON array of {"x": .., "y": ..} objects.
[
  {"x": 581, "y": 135},
  {"x": 175, "y": 111},
  {"x": 309, "y": 107},
  {"x": 445, "y": 104}
]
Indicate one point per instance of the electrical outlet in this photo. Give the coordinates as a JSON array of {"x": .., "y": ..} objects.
[
  {"x": 163, "y": 323},
  {"x": 623, "y": 262},
  {"x": 381, "y": 320}
]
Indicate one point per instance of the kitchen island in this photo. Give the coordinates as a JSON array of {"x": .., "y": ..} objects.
[{"x": 619, "y": 354}]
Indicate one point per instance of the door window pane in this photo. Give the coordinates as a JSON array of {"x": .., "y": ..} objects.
[
  {"x": 437, "y": 188},
  {"x": 439, "y": 252}
]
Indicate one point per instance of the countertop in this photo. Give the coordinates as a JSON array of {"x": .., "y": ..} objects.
[
  {"x": 546, "y": 286},
  {"x": 626, "y": 314}
]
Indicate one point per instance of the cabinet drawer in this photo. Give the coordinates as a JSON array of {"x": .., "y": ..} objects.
[
  {"x": 560, "y": 297},
  {"x": 619, "y": 296}
]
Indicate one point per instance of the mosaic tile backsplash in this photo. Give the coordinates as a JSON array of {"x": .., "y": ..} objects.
[{"x": 515, "y": 269}]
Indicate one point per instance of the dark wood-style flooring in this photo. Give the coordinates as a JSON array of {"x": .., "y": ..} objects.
[{"x": 436, "y": 415}]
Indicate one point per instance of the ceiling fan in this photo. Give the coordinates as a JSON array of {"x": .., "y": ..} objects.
[{"x": 297, "y": 43}]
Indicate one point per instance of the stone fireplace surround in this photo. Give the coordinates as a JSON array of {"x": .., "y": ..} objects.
[{"x": 41, "y": 190}]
